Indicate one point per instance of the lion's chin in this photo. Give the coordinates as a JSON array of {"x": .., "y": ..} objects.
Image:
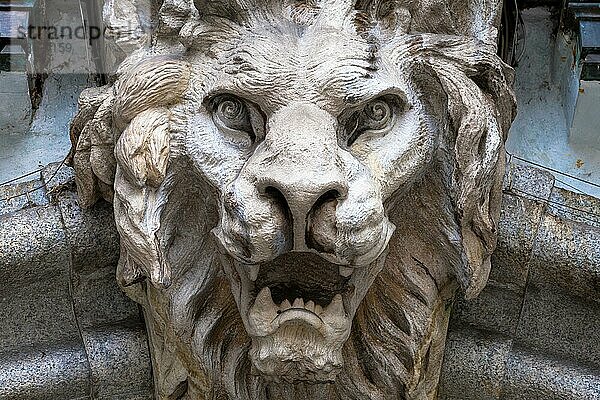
[
  {"x": 296, "y": 352},
  {"x": 297, "y": 342}
]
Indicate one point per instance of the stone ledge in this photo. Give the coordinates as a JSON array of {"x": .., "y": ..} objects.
[
  {"x": 58, "y": 372},
  {"x": 484, "y": 366}
]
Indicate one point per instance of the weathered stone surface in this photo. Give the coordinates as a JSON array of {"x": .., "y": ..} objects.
[
  {"x": 46, "y": 305},
  {"x": 26, "y": 324},
  {"x": 91, "y": 234},
  {"x": 575, "y": 207},
  {"x": 119, "y": 360},
  {"x": 99, "y": 301},
  {"x": 481, "y": 366},
  {"x": 528, "y": 181},
  {"x": 496, "y": 309},
  {"x": 534, "y": 377},
  {"x": 60, "y": 372},
  {"x": 474, "y": 367},
  {"x": 41, "y": 350},
  {"x": 33, "y": 245},
  {"x": 560, "y": 324},
  {"x": 519, "y": 221},
  {"x": 566, "y": 256}
]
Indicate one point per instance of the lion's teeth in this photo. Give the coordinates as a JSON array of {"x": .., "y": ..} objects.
[
  {"x": 318, "y": 309},
  {"x": 346, "y": 271},
  {"x": 310, "y": 306},
  {"x": 253, "y": 271},
  {"x": 285, "y": 305},
  {"x": 263, "y": 301},
  {"x": 336, "y": 307},
  {"x": 298, "y": 303}
]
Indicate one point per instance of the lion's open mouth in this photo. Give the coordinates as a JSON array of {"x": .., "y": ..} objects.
[
  {"x": 298, "y": 309},
  {"x": 313, "y": 281},
  {"x": 301, "y": 288}
]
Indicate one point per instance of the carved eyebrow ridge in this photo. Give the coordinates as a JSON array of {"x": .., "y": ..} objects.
[{"x": 284, "y": 69}]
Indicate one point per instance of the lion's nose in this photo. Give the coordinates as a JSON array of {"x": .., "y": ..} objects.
[{"x": 309, "y": 202}]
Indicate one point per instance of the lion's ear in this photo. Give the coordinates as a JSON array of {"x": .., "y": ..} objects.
[{"x": 153, "y": 83}]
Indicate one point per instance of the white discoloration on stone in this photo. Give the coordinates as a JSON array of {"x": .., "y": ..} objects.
[{"x": 305, "y": 172}]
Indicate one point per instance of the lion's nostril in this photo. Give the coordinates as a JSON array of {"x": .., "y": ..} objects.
[
  {"x": 275, "y": 197},
  {"x": 330, "y": 195},
  {"x": 320, "y": 223}
]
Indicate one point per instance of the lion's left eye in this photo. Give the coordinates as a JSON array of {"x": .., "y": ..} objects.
[
  {"x": 377, "y": 116},
  {"x": 237, "y": 115}
]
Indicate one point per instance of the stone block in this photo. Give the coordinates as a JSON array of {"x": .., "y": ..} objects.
[
  {"x": 517, "y": 229},
  {"x": 119, "y": 359},
  {"x": 91, "y": 233},
  {"x": 33, "y": 245},
  {"x": 576, "y": 207},
  {"x": 532, "y": 376},
  {"x": 18, "y": 196},
  {"x": 525, "y": 180},
  {"x": 566, "y": 257},
  {"x": 37, "y": 314},
  {"x": 474, "y": 365},
  {"x": 57, "y": 373},
  {"x": 496, "y": 309},
  {"x": 562, "y": 325},
  {"x": 98, "y": 300}
]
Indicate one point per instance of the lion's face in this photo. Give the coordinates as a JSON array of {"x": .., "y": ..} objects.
[
  {"x": 302, "y": 189},
  {"x": 306, "y": 139}
]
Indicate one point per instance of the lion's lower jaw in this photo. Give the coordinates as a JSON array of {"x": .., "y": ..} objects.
[{"x": 296, "y": 353}]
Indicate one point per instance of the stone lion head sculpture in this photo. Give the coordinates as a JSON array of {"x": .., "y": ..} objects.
[{"x": 300, "y": 188}]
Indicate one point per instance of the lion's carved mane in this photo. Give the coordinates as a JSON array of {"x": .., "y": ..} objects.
[{"x": 129, "y": 146}]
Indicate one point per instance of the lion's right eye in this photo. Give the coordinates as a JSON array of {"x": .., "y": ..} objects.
[{"x": 235, "y": 115}]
